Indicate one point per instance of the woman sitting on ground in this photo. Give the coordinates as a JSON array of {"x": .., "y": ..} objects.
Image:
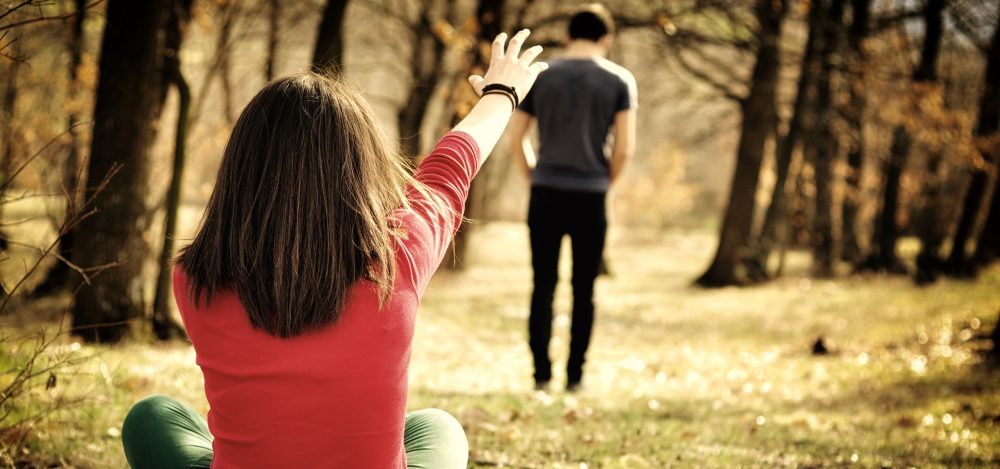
[{"x": 301, "y": 288}]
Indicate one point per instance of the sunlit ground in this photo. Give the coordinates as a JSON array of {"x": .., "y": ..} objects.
[{"x": 676, "y": 376}]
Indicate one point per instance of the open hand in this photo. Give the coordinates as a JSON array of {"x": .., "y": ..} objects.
[{"x": 510, "y": 67}]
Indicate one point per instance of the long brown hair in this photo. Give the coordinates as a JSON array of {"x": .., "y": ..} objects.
[{"x": 300, "y": 210}]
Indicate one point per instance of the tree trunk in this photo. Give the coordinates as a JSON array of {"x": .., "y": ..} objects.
[
  {"x": 273, "y": 27},
  {"x": 165, "y": 327},
  {"x": 827, "y": 146},
  {"x": 794, "y": 230},
  {"x": 8, "y": 108},
  {"x": 758, "y": 114},
  {"x": 958, "y": 263},
  {"x": 988, "y": 244},
  {"x": 223, "y": 51},
  {"x": 775, "y": 219},
  {"x": 410, "y": 119},
  {"x": 489, "y": 17},
  {"x": 887, "y": 232},
  {"x": 932, "y": 231},
  {"x": 993, "y": 355},
  {"x": 854, "y": 116},
  {"x": 128, "y": 103},
  {"x": 328, "y": 55},
  {"x": 986, "y": 136},
  {"x": 930, "y": 225},
  {"x": 425, "y": 69},
  {"x": 60, "y": 275}
]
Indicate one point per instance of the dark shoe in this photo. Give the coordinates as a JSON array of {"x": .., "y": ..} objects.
[
  {"x": 541, "y": 385},
  {"x": 574, "y": 387}
]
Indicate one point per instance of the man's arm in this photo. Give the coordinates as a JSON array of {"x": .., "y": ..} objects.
[
  {"x": 624, "y": 142},
  {"x": 520, "y": 145}
]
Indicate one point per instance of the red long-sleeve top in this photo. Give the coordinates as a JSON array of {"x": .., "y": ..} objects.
[{"x": 336, "y": 397}]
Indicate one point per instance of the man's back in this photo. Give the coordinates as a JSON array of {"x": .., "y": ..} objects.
[{"x": 575, "y": 102}]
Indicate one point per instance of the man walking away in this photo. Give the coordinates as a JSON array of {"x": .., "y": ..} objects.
[{"x": 583, "y": 105}]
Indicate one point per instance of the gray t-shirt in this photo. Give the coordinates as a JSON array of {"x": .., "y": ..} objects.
[{"x": 575, "y": 102}]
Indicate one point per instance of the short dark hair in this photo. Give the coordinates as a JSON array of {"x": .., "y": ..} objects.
[{"x": 592, "y": 22}]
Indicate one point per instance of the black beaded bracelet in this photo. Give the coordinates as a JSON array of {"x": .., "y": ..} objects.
[
  {"x": 509, "y": 90},
  {"x": 505, "y": 94}
]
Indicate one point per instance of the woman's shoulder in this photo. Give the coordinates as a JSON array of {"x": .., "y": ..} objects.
[{"x": 179, "y": 276}]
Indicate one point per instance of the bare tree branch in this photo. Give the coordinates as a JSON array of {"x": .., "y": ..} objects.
[
  {"x": 722, "y": 88},
  {"x": 45, "y": 18},
  {"x": 14, "y": 8},
  {"x": 892, "y": 20},
  {"x": 961, "y": 14},
  {"x": 71, "y": 222},
  {"x": 24, "y": 164}
]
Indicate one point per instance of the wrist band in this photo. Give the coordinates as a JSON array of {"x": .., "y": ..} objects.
[
  {"x": 504, "y": 93},
  {"x": 509, "y": 90}
]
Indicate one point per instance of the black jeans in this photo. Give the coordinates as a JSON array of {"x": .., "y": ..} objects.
[{"x": 553, "y": 213}]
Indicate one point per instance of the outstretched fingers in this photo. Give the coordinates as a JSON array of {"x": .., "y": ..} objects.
[
  {"x": 498, "y": 43},
  {"x": 514, "y": 47},
  {"x": 530, "y": 55},
  {"x": 508, "y": 66}
]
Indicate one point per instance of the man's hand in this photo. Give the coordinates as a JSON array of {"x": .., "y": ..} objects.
[
  {"x": 520, "y": 148},
  {"x": 624, "y": 145}
]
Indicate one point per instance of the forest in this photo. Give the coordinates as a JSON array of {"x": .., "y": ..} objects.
[{"x": 802, "y": 258}]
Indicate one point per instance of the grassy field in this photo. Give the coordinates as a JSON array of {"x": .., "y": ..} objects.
[{"x": 676, "y": 376}]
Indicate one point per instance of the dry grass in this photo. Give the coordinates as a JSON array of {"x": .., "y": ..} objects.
[{"x": 676, "y": 376}]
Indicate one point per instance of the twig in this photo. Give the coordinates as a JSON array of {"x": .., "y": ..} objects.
[
  {"x": 4, "y": 184},
  {"x": 48, "y": 18},
  {"x": 21, "y": 221},
  {"x": 723, "y": 89},
  {"x": 964, "y": 25},
  {"x": 485, "y": 462},
  {"x": 46, "y": 252},
  {"x": 889, "y": 21},
  {"x": 31, "y": 195},
  {"x": 72, "y": 220},
  {"x": 15, "y": 8}
]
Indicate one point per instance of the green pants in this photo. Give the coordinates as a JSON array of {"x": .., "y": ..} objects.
[{"x": 161, "y": 433}]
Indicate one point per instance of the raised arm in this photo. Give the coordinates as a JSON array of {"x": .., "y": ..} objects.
[
  {"x": 488, "y": 119},
  {"x": 624, "y": 145},
  {"x": 446, "y": 173},
  {"x": 520, "y": 147}
]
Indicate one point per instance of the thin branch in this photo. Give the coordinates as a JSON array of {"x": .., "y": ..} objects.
[
  {"x": 47, "y": 252},
  {"x": 964, "y": 25},
  {"x": 891, "y": 20},
  {"x": 29, "y": 196},
  {"x": 719, "y": 65},
  {"x": 15, "y": 8},
  {"x": 49, "y": 18},
  {"x": 486, "y": 462},
  {"x": 4, "y": 184},
  {"x": 70, "y": 223},
  {"x": 229, "y": 15},
  {"x": 3, "y": 48},
  {"x": 722, "y": 88},
  {"x": 21, "y": 221}
]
